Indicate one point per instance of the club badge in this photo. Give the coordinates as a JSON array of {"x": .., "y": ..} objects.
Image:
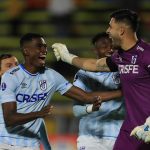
[{"x": 43, "y": 85}]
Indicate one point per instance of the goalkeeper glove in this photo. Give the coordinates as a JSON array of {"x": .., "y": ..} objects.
[
  {"x": 142, "y": 132},
  {"x": 61, "y": 52}
]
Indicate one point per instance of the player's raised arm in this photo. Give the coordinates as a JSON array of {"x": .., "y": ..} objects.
[{"x": 61, "y": 52}]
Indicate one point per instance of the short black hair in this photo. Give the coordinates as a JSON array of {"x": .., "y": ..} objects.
[
  {"x": 99, "y": 36},
  {"x": 28, "y": 37},
  {"x": 4, "y": 56},
  {"x": 127, "y": 16}
]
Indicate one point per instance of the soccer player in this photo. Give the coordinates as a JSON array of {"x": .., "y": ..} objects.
[
  {"x": 8, "y": 61},
  {"x": 133, "y": 63},
  {"x": 101, "y": 125},
  {"x": 26, "y": 91}
]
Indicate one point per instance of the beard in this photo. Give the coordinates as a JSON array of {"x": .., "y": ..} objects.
[{"x": 116, "y": 43}]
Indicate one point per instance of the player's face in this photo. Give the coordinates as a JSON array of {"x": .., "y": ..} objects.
[
  {"x": 103, "y": 48},
  {"x": 114, "y": 33},
  {"x": 36, "y": 52},
  {"x": 7, "y": 64}
]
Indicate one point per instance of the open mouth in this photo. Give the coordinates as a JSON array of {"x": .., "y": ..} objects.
[{"x": 42, "y": 57}]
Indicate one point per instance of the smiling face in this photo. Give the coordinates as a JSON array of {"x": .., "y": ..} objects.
[
  {"x": 7, "y": 64},
  {"x": 35, "y": 53},
  {"x": 115, "y": 32},
  {"x": 103, "y": 47}
]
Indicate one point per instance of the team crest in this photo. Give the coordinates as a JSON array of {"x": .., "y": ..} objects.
[
  {"x": 116, "y": 78},
  {"x": 133, "y": 60},
  {"x": 43, "y": 85}
]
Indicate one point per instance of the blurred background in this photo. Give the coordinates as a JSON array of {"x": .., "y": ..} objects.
[{"x": 73, "y": 22}]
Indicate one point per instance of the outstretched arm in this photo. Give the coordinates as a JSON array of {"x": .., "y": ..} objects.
[
  {"x": 61, "y": 52},
  {"x": 91, "y": 64},
  {"x": 89, "y": 97}
]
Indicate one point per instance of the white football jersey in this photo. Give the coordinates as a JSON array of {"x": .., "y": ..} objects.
[{"x": 31, "y": 92}]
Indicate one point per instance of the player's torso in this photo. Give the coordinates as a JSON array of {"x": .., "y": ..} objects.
[
  {"x": 134, "y": 78},
  {"x": 98, "y": 122},
  {"x": 33, "y": 90}
]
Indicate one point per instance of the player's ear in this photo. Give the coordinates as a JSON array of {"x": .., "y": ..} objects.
[
  {"x": 25, "y": 51},
  {"x": 122, "y": 30}
]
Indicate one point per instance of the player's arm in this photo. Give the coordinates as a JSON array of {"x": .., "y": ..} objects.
[
  {"x": 82, "y": 110},
  {"x": 89, "y": 97},
  {"x": 61, "y": 52},
  {"x": 91, "y": 64},
  {"x": 13, "y": 118}
]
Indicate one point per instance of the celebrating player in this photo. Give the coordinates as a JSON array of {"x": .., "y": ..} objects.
[
  {"x": 96, "y": 123},
  {"x": 133, "y": 63},
  {"x": 26, "y": 91},
  {"x": 8, "y": 61}
]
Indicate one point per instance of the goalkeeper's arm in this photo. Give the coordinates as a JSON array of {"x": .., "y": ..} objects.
[{"x": 61, "y": 52}]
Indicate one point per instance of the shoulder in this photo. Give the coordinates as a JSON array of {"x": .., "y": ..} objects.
[
  {"x": 52, "y": 74},
  {"x": 51, "y": 71},
  {"x": 143, "y": 49},
  {"x": 13, "y": 70},
  {"x": 12, "y": 73}
]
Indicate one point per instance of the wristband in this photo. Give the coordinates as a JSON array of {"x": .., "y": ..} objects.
[
  {"x": 70, "y": 58},
  {"x": 89, "y": 108}
]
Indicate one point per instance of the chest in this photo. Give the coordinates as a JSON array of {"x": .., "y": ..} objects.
[
  {"x": 131, "y": 67},
  {"x": 34, "y": 89}
]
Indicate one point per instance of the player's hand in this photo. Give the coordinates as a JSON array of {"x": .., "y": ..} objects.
[
  {"x": 45, "y": 111},
  {"x": 142, "y": 132},
  {"x": 95, "y": 106},
  {"x": 61, "y": 52}
]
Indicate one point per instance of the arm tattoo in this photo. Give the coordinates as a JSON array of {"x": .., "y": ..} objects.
[{"x": 103, "y": 68}]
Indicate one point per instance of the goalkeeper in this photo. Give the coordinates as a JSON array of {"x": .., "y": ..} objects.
[{"x": 133, "y": 63}]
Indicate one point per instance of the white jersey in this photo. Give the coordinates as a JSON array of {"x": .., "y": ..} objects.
[
  {"x": 31, "y": 92},
  {"x": 106, "y": 122}
]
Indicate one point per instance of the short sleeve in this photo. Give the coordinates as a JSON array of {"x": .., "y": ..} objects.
[
  {"x": 8, "y": 88},
  {"x": 112, "y": 66},
  {"x": 79, "y": 81},
  {"x": 146, "y": 61},
  {"x": 62, "y": 85}
]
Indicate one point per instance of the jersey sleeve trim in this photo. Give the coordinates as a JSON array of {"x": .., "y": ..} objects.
[{"x": 112, "y": 66}]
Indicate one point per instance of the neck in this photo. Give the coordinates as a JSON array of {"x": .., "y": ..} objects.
[
  {"x": 34, "y": 70},
  {"x": 129, "y": 42},
  {"x": 30, "y": 69}
]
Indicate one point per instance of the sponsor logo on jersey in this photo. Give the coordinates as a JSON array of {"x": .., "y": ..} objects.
[
  {"x": 3, "y": 86},
  {"x": 140, "y": 48},
  {"x": 82, "y": 147},
  {"x": 43, "y": 85},
  {"x": 23, "y": 85},
  {"x": 126, "y": 69},
  {"x": 15, "y": 70},
  {"x": 20, "y": 97}
]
